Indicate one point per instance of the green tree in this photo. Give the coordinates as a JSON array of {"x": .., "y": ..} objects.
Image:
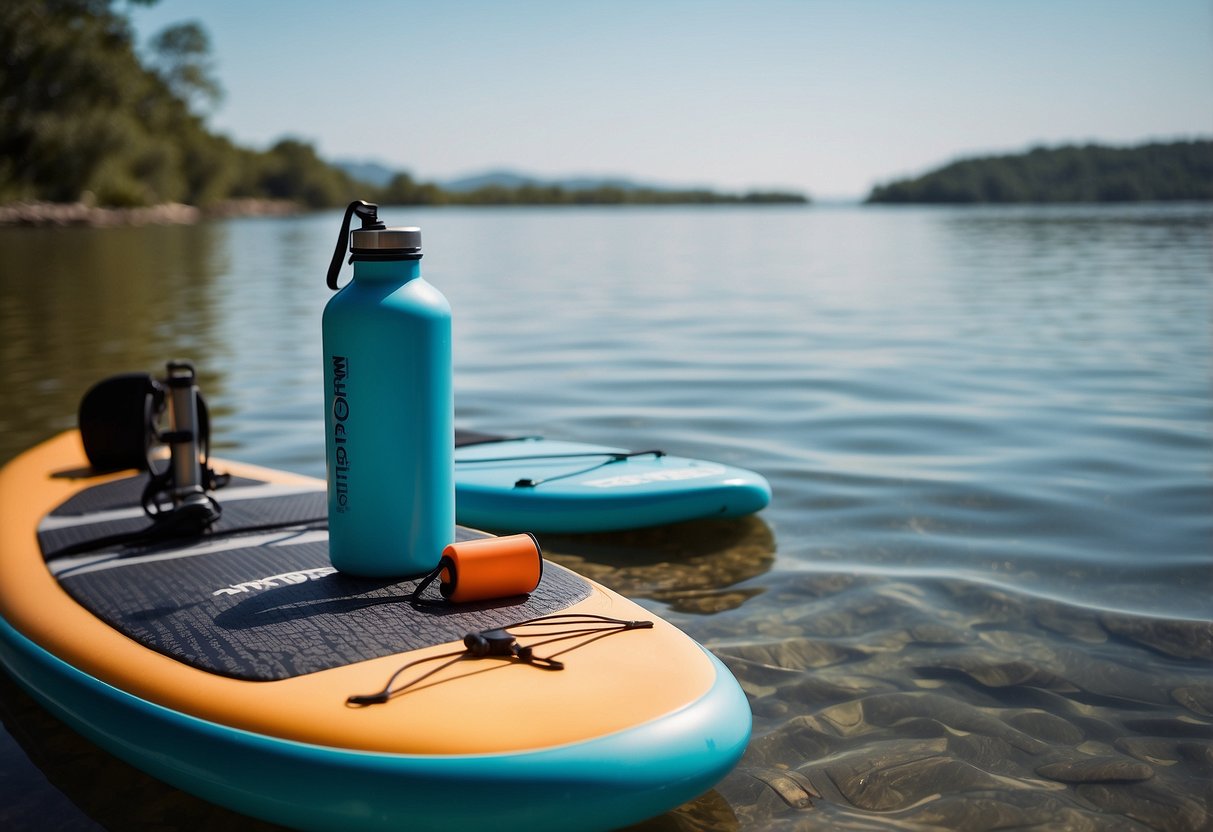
[
  {"x": 81, "y": 117},
  {"x": 182, "y": 58},
  {"x": 402, "y": 189},
  {"x": 79, "y": 114},
  {"x": 292, "y": 170}
]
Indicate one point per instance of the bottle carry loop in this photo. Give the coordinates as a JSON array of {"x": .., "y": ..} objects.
[{"x": 369, "y": 214}]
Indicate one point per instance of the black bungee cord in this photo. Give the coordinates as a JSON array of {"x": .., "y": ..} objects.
[
  {"x": 527, "y": 482},
  {"x": 499, "y": 642}
]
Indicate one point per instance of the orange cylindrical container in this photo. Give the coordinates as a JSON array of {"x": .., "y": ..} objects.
[{"x": 491, "y": 567}]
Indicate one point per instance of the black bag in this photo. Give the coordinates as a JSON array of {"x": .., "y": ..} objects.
[
  {"x": 118, "y": 421},
  {"x": 115, "y": 421}
]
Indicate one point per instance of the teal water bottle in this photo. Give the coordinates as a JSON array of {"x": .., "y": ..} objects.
[{"x": 389, "y": 405}]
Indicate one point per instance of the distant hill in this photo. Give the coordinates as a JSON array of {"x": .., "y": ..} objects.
[
  {"x": 1181, "y": 170},
  {"x": 488, "y": 179},
  {"x": 516, "y": 179},
  {"x": 379, "y": 175},
  {"x": 509, "y": 187},
  {"x": 371, "y": 173}
]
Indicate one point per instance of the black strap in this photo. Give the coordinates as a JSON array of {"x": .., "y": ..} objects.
[
  {"x": 415, "y": 599},
  {"x": 161, "y": 481},
  {"x": 368, "y": 213}
]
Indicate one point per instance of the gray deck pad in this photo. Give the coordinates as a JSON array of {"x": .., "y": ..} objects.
[{"x": 262, "y": 605}]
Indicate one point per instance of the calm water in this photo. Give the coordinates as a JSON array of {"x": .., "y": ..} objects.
[{"x": 983, "y": 589}]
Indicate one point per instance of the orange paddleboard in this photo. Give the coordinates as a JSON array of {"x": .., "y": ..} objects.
[{"x": 230, "y": 665}]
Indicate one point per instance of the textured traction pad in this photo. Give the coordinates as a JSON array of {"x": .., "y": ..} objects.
[{"x": 264, "y": 605}]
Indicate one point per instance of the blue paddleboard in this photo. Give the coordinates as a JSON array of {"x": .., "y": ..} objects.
[{"x": 546, "y": 485}]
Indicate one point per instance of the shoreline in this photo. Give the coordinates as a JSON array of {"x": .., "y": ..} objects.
[{"x": 64, "y": 214}]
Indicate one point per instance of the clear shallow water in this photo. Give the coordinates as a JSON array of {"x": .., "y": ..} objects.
[{"x": 989, "y": 432}]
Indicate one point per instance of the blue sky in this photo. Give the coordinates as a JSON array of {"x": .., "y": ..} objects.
[{"x": 824, "y": 96}]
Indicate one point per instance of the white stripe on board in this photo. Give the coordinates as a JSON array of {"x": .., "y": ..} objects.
[{"x": 83, "y": 564}]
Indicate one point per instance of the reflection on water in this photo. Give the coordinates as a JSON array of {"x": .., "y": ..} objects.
[
  {"x": 981, "y": 594},
  {"x": 692, "y": 567},
  {"x": 80, "y": 304}
]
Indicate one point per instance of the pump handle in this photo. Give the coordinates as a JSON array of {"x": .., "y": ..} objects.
[{"x": 368, "y": 213}]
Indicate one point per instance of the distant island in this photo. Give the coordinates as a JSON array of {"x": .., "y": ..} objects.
[
  {"x": 1172, "y": 171},
  {"x": 91, "y": 133}
]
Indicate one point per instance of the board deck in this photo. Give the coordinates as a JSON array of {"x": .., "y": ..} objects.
[
  {"x": 223, "y": 666},
  {"x": 547, "y": 485}
]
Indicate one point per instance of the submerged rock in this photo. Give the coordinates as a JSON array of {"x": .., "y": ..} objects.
[
  {"x": 1154, "y": 804},
  {"x": 1178, "y": 639},
  {"x": 792, "y": 787},
  {"x": 1078, "y": 624},
  {"x": 888, "y": 776},
  {"x": 801, "y": 739},
  {"x": 820, "y": 690},
  {"x": 1181, "y": 727},
  {"x": 1096, "y": 770},
  {"x": 1196, "y": 698},
  {"x": 996, "y": 674},
  {"x": 792, "y": 653},
  {"x": 1200, "y": 753},
  {"x": 990, "y": 754},
  {"x": 1046, "y": 726},
  {"x": 1160, "y": 752},
  {"x": 1111, "y": 680},
  {"x": 933, "y": 632},
  {"x": 889, "y": 709},
  {"x": 759, "y": 678},
  {"x": 1032, "y": 811},
  {"x": 710, "y": 812}
]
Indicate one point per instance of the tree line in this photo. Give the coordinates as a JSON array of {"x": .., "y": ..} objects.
[
  {"x": 84, "y": 118},
  {"x": 1181, "y": 170},
  {"x": 403, "y": 190}
]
